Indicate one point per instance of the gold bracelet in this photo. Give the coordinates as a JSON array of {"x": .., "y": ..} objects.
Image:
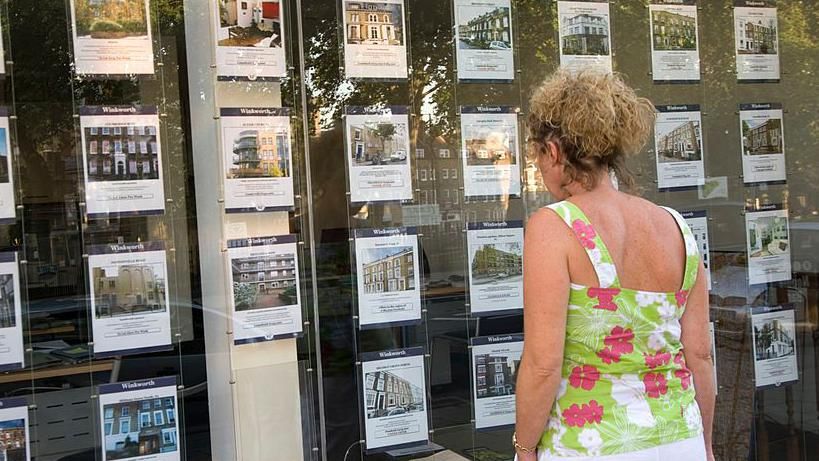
[{"x": 521, "y": 448}]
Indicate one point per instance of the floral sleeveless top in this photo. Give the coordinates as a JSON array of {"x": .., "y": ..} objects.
[{"x": 625, "y": 386}]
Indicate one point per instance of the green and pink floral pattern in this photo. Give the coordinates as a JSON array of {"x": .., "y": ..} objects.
[{"x": 625, "y": 384}]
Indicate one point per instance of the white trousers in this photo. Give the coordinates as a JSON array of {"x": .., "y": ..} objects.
[{"x": 692, "y": 449}]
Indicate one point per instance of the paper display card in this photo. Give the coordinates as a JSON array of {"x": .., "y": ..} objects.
[
  {"x": 769, "y": 248},
  {"x": 495, "y": 266},
  {"x": 250, "y": 42},
  {"x": 265, "y": 288},
  {"x": 495, "y": 362},
  {"x": 675, "y": 55},
  {"x": 8, "y": 210},
  {"x": 757, "y": 40},
  {"x": 129, "y": 298},
  {"x": 112, "y": 37},
  {"x": 698, "y": 223},
  {"x": 395, "y": 398},
  {"x": 377, "y": 151},
  {"x": 14, "y": 429},
  {"x": 388, "y": 276},
  {"x": 491, "y": 150},
  {"x": 485, "y": 42},
  {"x": 11, "y": 320},
  {"x": 763, "y": 143},
  {"x": 774, "y": 334},
  {"x": 678, "y": 144},
  {"x": 139, "y": 420},
  {"x": 122, "y": 158},
  {"x": 257, "y": 155},
  {"x": 585, "y": 35},
  {"x": 375, "y": 41}
]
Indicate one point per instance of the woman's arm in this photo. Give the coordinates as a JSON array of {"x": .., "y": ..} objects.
[
  {"x": 696, "y": 342},
  {"x": 545, "y": 299}
]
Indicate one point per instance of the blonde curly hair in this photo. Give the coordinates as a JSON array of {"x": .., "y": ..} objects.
[{"x": 596, "y": 119}]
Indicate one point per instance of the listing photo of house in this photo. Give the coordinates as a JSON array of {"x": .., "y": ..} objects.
[
  {"x": 762, "y": 137},
  {"x": 140, "y": 428},
  {"x": 374, "y": 23},
  {"x": 122, "y": 153},
  {"x": 13, "y": 444},
  {"x": 8, "y": 314},
  {"x": 767, "y": 236},
  {"x": 250, "y": 23},
  {"x": 496, "y": 263},
  {"x": 494, "y": 145},
  {"x": 378, "y": 143},
  {"x": 678, "y": 142},
  {"x": 110, "y": 19},
  {"x": 773, "y": 339},
  {"x": 392, "y": 393},
  {"x": 495, "y": 375},
  {"x": 585, "y": 34},
  {"x": 257, "y": 153},
  {"x": 674, "y": 31},
  {"x": 484, "y": 28},
  {"x": 129, "y": 289},
  {"x": 388, "y": 270},
  {"x": 4, "y": 156},
  {"x": 264, "y": 281},
  {"x": 756, "y": 36}
]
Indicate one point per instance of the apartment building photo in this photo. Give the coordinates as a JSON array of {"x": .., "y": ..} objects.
[
  {"x": 673, "y": 31},
  {"x": 495, "y": 375},
  {"x": 391, "y": 272},
  {"x": 140, "y": 428},
  {"x": 764, "y": 138},
  {"x": 128, "y": 289},
  {"x": 373, "y": 23},
  {"x": 585, "y": 34},
  {"x": 387, "y": 394},
  {"x": 682, "y": 143},
  {"x": 120, "y": 153}
]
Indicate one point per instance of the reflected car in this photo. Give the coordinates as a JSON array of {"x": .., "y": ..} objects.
[
  {"x": 496, "y": 45},
  {"x": 396, "y": 411}
]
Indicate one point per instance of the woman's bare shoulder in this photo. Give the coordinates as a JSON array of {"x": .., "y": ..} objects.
[{"x": 545, "y": 223}]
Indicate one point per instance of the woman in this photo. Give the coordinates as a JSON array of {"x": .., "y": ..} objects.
[{"x": 616, "y": 333}]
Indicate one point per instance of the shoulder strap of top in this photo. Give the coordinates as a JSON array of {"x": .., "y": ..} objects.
[
  {"x": 597, "y": 251},
  {"x": 692, "y": 253}
]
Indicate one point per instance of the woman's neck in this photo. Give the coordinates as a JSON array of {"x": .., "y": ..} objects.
[{"x": 603, "y": 185}]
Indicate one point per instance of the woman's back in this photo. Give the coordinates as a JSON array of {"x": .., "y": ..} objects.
[
  {"x": 647, "y": 248},
  {"x": 625, "y": 385}
]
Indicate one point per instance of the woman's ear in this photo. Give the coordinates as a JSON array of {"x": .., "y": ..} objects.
[{"x": 552, "y": 151}]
